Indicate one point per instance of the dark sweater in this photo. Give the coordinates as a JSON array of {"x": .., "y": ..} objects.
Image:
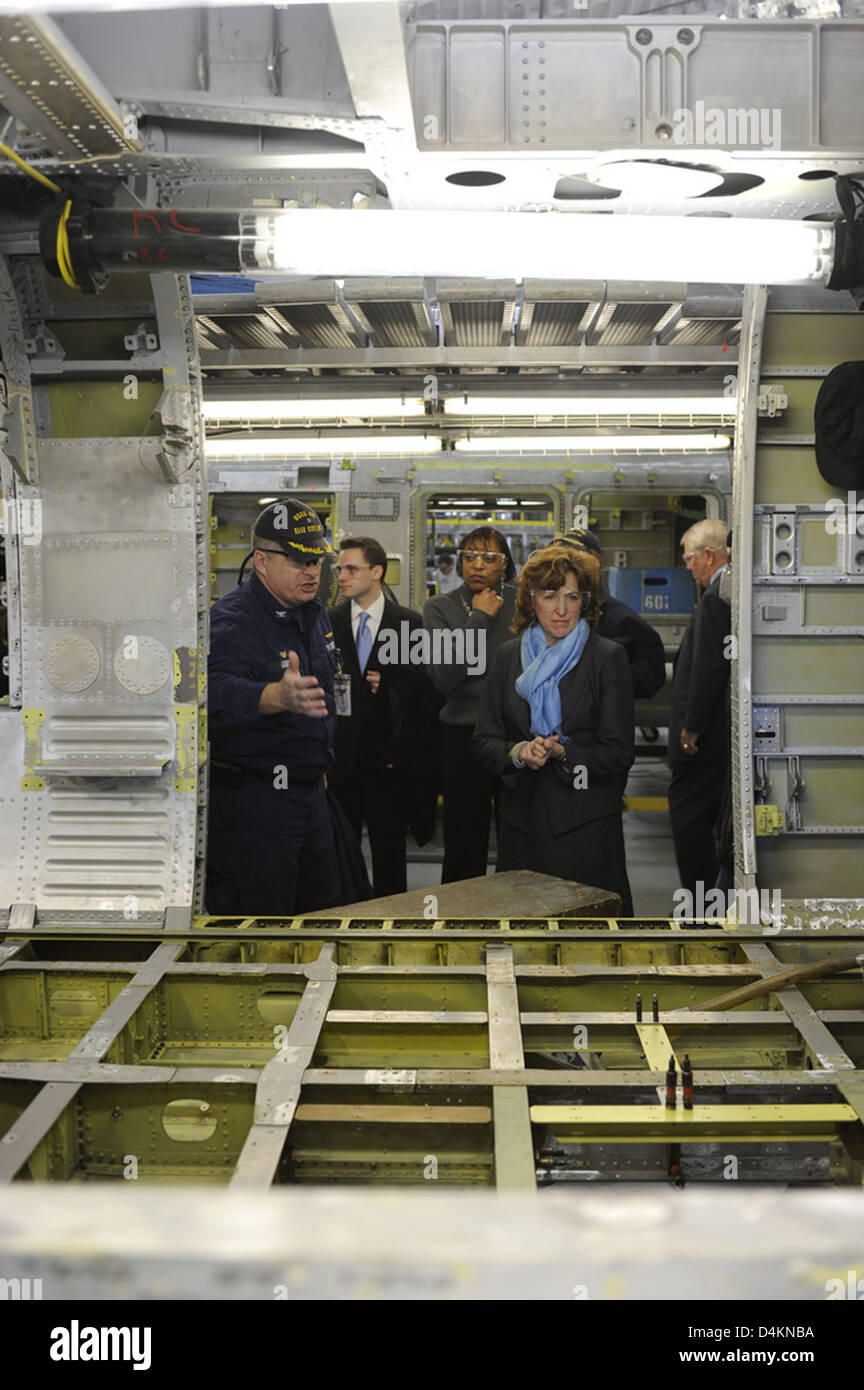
[
  {"x": 644, "y": 646},
  {"x": 450, "y": 612}
]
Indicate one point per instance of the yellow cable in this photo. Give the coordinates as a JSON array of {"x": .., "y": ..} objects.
[
  {"x": 64, "y": 259},
  {"x": 28, "y": 168}
]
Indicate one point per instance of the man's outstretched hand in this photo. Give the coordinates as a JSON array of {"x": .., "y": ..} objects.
[{"x": 295, "y": 693}]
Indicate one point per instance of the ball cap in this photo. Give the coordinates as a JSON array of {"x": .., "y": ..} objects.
[
  {"x": 585, "y": 540},
  {"x": 293, "y": 527},
  {"x": 838, "y": 421}
]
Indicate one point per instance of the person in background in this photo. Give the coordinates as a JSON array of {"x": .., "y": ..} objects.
[
  {"x": 271, "y": 716},
  {"x": 378, "y": 726},
  {"x": 698, "y": 732},
  {"x": 556, "y": 724},
  {"x": 446, "y": 575},
  {"x": 724, "y": 837},
  {"x": 622, "y": 624},
  {"x": 480, "y": 610}
]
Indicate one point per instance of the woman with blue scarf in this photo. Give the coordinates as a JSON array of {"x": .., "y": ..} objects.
[{"x": 556, "y": 724}]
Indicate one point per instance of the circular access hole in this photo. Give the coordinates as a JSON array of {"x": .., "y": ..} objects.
[
  {"x": 732, "y": 185},
  {"x": 859, "y": 558},
  {"x": 782, "y": 560},
  {"x": 783, "y": 531},
  {"x": 188, "y": 1121},
  {"x": 574, "y": 190},
  {"x": 475, "y": 178}
]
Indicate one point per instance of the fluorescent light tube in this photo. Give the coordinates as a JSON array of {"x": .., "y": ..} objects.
[
  {"x": 718, "y": 407},
  {"x": 336, "y": 447},
  {"x": 217, "y": 411},
  {"x": 590, "y": 443},
  {"x": 339, "y": 242}
]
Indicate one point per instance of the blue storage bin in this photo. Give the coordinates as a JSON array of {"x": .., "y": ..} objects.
[{"x": 654, "y": 591}]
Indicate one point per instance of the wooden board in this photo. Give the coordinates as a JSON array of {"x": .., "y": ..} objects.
[{"x": 517, "y": 893}]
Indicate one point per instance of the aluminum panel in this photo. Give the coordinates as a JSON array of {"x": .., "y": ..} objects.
[
  {"x": 597, "y": 84},
  {"x": 571, "y": 88},
  {"x": 109, "y": 577}
]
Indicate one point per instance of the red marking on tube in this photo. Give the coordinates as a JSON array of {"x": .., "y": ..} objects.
[
  {"x": 151, "y": 217},
  {"x": 172, "y": 217}
]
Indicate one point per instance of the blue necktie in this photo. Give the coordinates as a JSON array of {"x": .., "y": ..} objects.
[{"x": 364, "y": 642}]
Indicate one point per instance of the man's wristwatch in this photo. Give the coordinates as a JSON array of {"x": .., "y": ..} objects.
[{"x": 514, "y": 756}]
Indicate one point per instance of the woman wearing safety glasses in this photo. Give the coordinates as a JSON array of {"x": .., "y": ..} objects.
[
  {"x": 467, "y": 627},
  {"x": 556, "y": 725}
]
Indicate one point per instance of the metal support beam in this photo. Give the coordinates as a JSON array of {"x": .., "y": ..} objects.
[
  {"x": 52, "y": 92},
  {"x": 425, "y": 359},
  {"x": 748, "y": 1124},
  {"x": 278, "y": 1092},
  {"x": 514, "y": 1149},
  {"x": 379, "y": 83},
  {"x": 822, "y": 1048},
  {"x": 743, "y": 494}
]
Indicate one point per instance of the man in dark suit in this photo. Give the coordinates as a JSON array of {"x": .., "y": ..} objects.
[
  {"x": 698, "y": 732},
  {"x": 381, "y": 708}
]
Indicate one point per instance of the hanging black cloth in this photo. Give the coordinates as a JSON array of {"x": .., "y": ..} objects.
[{"x": 354, "y": 885}]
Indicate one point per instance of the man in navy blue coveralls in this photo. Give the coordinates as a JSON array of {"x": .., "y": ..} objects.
[{"x": 271, "y": 717}]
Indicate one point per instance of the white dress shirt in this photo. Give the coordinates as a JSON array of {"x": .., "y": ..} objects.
[
  {"x": 376, "y": 613},
  {"x": 448, "y": 582}
]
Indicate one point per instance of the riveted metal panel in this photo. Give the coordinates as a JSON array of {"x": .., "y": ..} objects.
[
  {"x": 595, "y": 84},
  {"x": 808, "y": 630},
  {"x": 397, "y": 1051},
  {"x": 103, "y": 767}
]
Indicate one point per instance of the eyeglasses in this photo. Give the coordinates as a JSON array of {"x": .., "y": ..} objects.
[
  {"x": 693, "y": 554},
  {"x": 350, "y": 569},
  {"x": 298, "y": 564},
  {"x": 571, "y": 597},
  {"x": 487, "y": 556}
]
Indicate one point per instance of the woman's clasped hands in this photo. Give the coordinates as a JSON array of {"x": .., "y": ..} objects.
[{"x": 539, "y": 751}]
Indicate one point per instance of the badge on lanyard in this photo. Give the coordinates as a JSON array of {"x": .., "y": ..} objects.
[
  {"x": 342, "y": 693},
  {"x": 341, "y": 685}
]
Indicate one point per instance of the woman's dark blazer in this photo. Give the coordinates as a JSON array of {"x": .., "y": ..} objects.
[{"x": 597, "y": 714}]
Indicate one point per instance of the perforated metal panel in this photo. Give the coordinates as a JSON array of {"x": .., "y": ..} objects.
[{"x": 107, "y": 588}]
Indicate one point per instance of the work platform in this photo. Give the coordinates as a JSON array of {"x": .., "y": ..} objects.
[
  {"x": 179, "y": 1243},
  {"x": 504, "y": 1052}
]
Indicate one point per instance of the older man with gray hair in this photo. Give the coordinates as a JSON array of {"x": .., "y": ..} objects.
[{"x": 698, "y": 732}]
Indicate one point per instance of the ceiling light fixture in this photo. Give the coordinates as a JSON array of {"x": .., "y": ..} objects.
[
  {"x": 719, "y": 407},
  {"x": 216, "y": 411},
  {"x": 248, "y": 447},
  {"x": 591, "y": 443},
  {"x": 342, "y": 242},
  {"x": 556, "y": 245}
]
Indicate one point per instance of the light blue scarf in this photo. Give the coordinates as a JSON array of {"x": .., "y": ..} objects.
[{"x": 542, "y": 668}]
